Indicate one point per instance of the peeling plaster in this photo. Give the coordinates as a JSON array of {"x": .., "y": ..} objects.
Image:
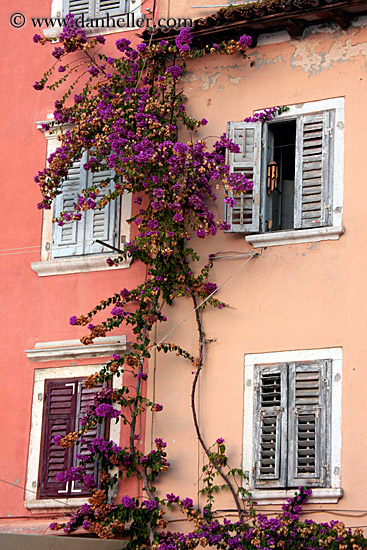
[
  {"x": 235, "y": 80},
  {"x": 264, "y": 60},
  {"x": 315, "y": 62},
  {"x": 206, "y": 79}
]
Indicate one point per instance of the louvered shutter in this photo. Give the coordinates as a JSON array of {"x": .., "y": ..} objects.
[
  {"x": 59, "y": 419},
  {"x": 68, "y": 239},
  {"x": 77, "y": 7},
  {"x": 112, "y": 7},
  {"x": 101, "y": 224},
  {"x": 245, "y": 215},
  {"x": 85, "y": 398},
  {"x": 270, "y": 426},
  {"x": 313, "y": 183},
  {"x": 308, "y": 423}
]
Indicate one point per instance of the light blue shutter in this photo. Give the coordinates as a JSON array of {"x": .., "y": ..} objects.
[
  {"x": 102, "y": 224},
  {"x": 309, "y": 423},
  {"x": 77, "y": 7},
  {"x": 314, "y": 158},
  {"x": 270, "y": 426},
  {"x": 111, "y": 7},
  {"x": 68, "y": 239},
  {"x": 245, "y": 215}
]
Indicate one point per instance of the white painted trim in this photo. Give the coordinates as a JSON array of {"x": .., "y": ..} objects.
[
  {"x": 74, "y": 349},
  {"x": 277, "y": 496},
  {"x": 273, "y": 496},
  {"x": 295, "y": 236},
  {"x": 40, "y": 375},
  {"x": 76, "y": 264},
  {"x": 56, "y": 12}
]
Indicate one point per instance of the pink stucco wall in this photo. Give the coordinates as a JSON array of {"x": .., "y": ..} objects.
[{"x": 34, "y": 309}]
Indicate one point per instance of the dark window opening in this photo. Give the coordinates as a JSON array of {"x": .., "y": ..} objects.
[{"x": 280, "y": 200}]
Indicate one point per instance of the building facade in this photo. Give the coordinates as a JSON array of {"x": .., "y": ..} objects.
[{"x": 283, "y": 378}]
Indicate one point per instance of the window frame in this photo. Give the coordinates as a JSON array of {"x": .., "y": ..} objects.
[
  {"x": 57, "y": 11},
  {"x": 84, "y": 262},
  {"x": 43, "y": 491},
  {"x": 333, "y": 492},
  {"x": 335, "y": 228},
  {"x": 52, "y": 351}
]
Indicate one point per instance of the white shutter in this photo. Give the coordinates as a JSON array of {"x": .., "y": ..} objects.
[
  {"x": 314, "y": 146},
  {"x": 245, "y": 215},
  {"x": 111, "y": 7},
  {"x": 68, "y": 239},
  {"x": 308, "y": 423},
  {"x": 77, "y": 7},
  {"x": 102, "y": 224},
  {"x": 270, "y": 426}
]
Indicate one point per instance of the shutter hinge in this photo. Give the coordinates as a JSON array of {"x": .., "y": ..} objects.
[
  {"x": 326, "y": 467},
  {"x": 330, "y": 132}
]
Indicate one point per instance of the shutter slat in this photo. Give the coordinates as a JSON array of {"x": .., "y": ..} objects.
[
  {"x": 59, "y": 418},
  {"x": 102, "y": 224},
  {"x": 68, "y": 239},
  {"x": 313, "y": 167},
  {"x": 112, "y": 7},
  {"x": 270, "y": 428},
  {"x": 86, "y": 398},
  {"x": 77, "y": 7},
  {"x": 245, "y": 215},
  {"x": 308, "y": 423}
]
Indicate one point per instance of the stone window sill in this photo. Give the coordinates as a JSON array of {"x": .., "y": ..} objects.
[
  {"x": 49, "y": 503},
  {"x": 295, "y": 236},
  {"x": 276, "y": 496},
  {"x": 81, "y": 264}
]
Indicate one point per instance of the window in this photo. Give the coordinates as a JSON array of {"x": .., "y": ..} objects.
[
  {"x": 291, "y": 424},
  {"x": 292, "y": 410},
  {"x": 79, "y": 238},
  {"x": 95, "y": 8},
  {"x": 296, "y": 164},
  {"x": 72, "y": 247},
  {"x": 65, "y": 403},
  {"x": 56, "y": 379}
]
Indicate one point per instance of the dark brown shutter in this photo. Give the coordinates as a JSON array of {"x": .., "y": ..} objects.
[
  {"x": 84, "y": 399},
  {"x": 58, "y": 419}
]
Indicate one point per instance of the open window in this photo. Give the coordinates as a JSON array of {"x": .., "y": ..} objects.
[{"x": 296, "y": 164}]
